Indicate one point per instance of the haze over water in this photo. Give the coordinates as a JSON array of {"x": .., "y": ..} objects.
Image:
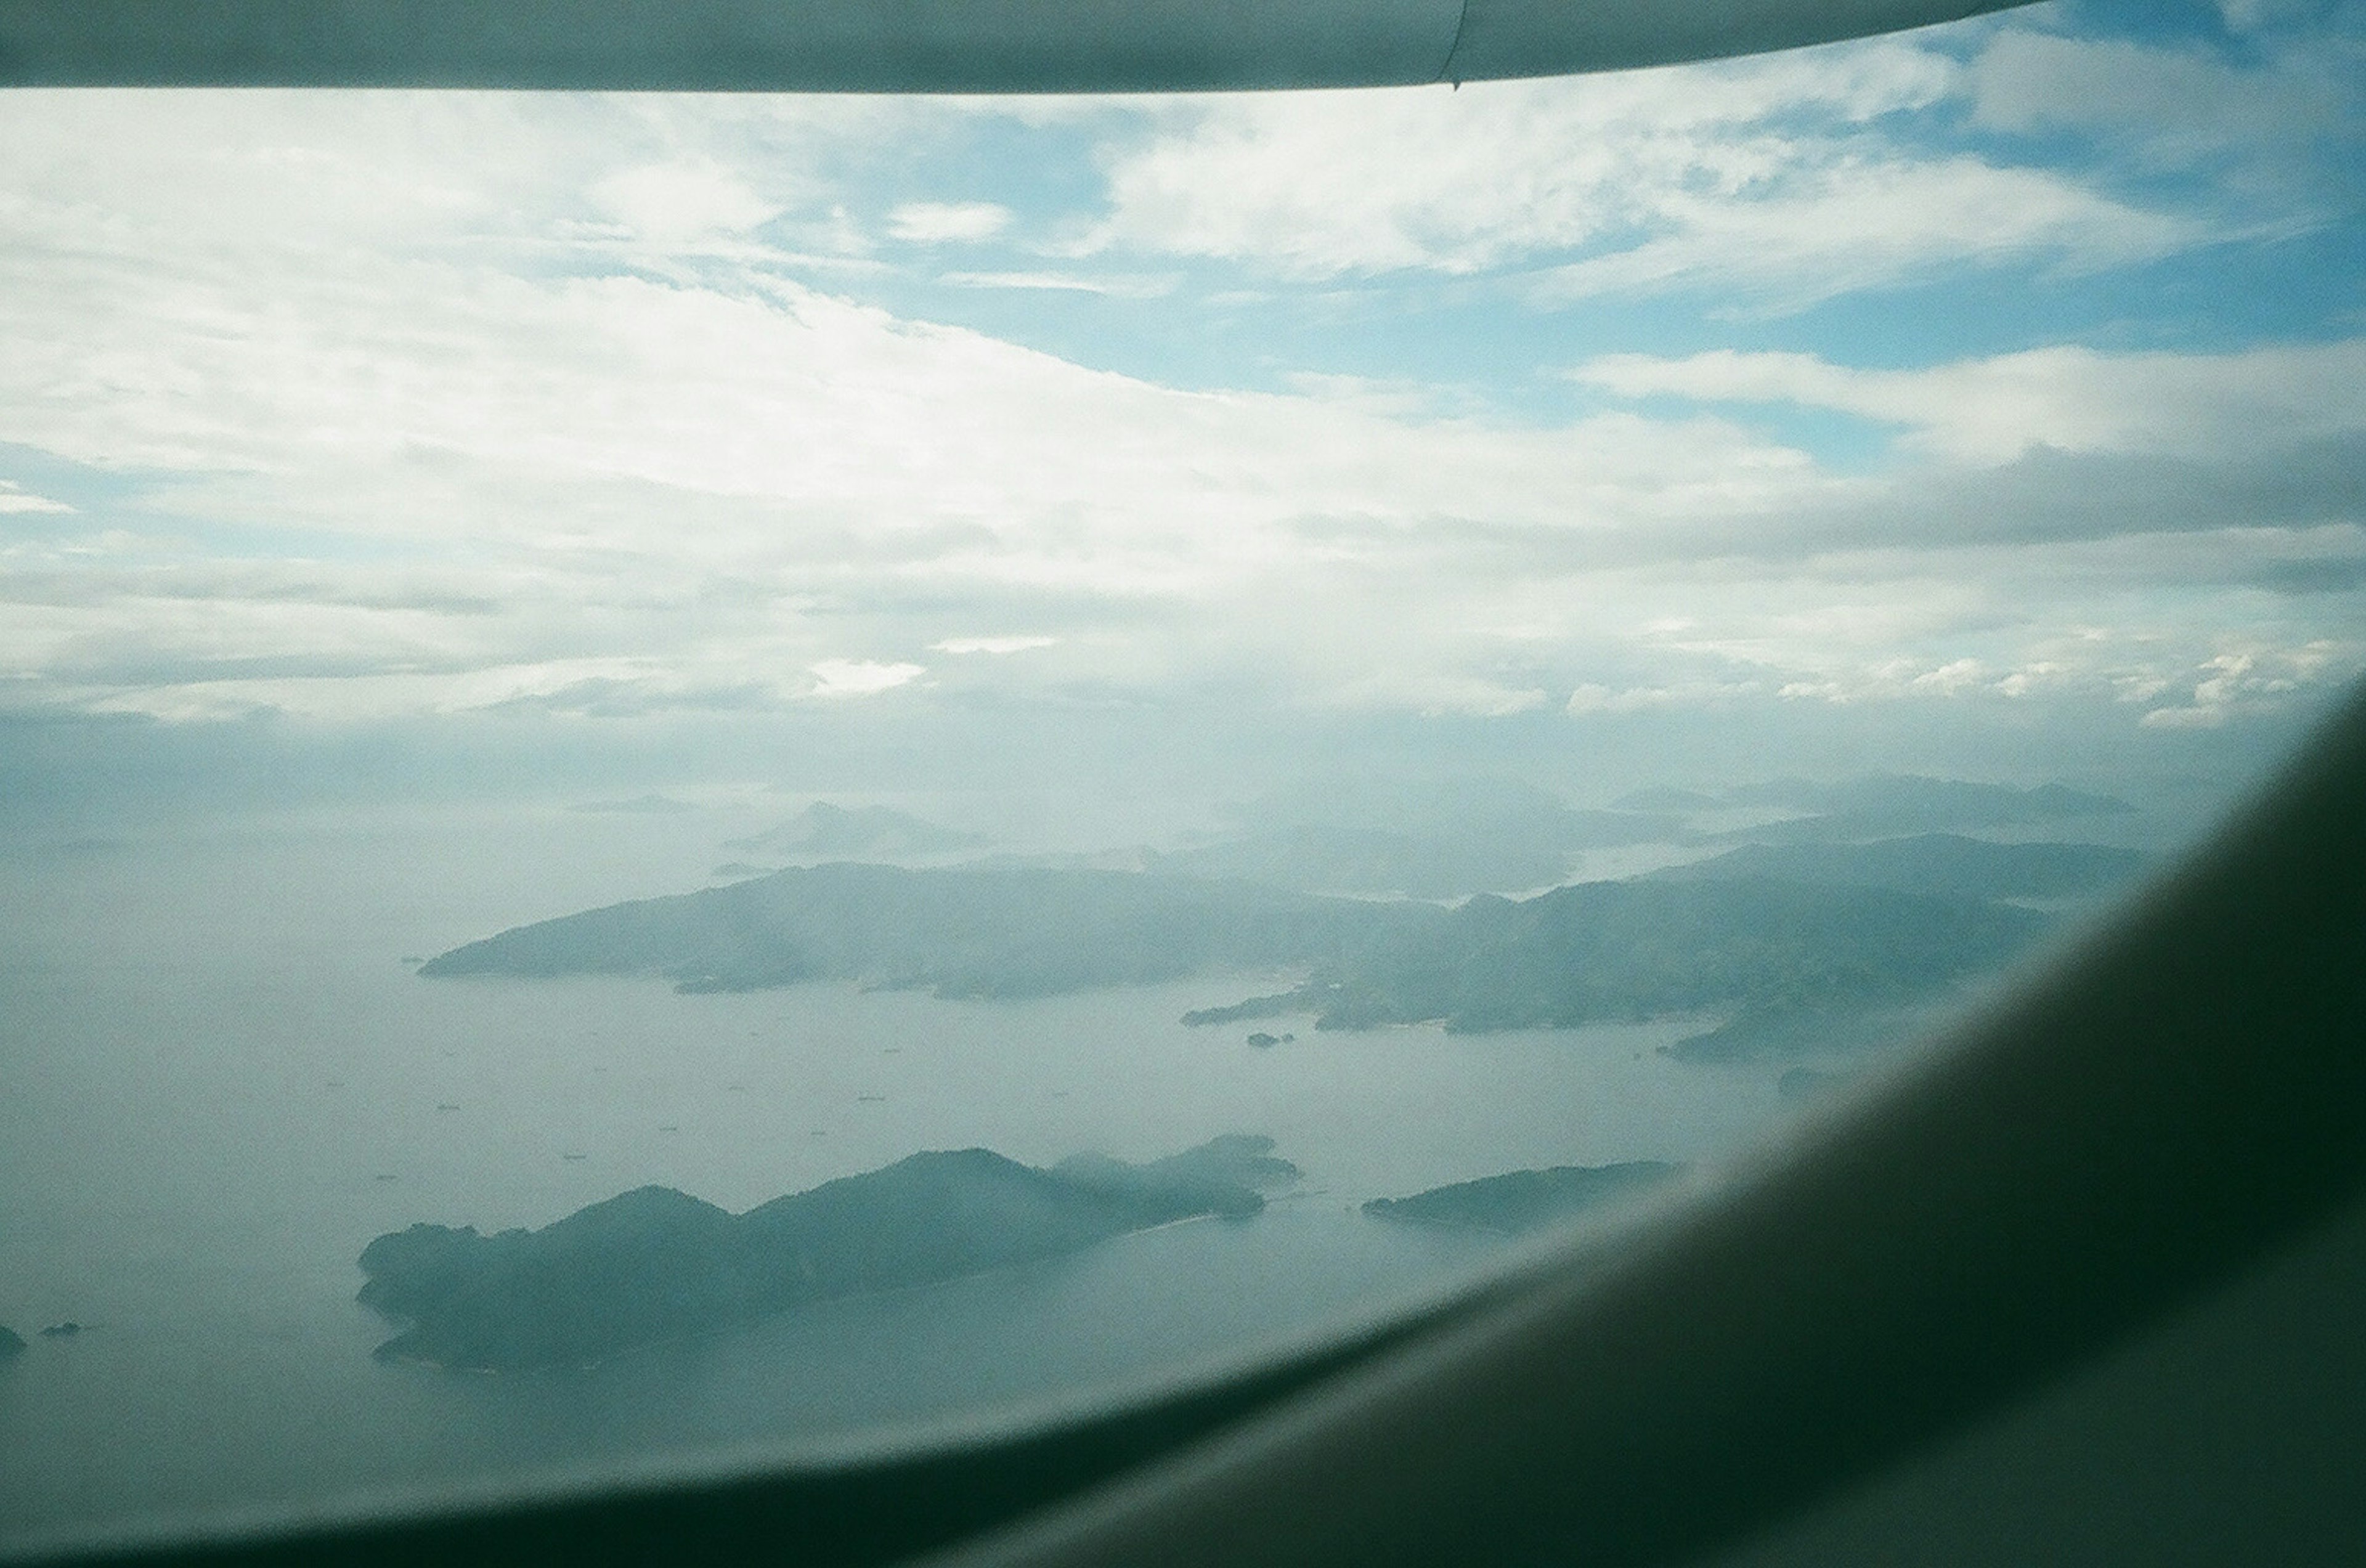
[{"x": 224, "y": 1080}]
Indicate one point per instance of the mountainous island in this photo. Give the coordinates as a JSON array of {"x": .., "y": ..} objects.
[
  {"x": 1945, "y": 863},
  {"x": 1829, "y": 1026},
  {"x": 1801, "y": 946},
  {"x": 1523, "y": 1201},
  {"x": 1601, "y": 952},
  {"x": 654, "y": 1263},
  {"x": 971, "y": 931},
  {"x": 1584, "y": 954}
]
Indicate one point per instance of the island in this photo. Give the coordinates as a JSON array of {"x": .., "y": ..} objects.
[
  {"x": 1778, "y": 1030},
  {"x": 1787, "y": 952},
  {"x": 1929, "y": 862},
  {"x": 12, "y": 1344},
  {"x": 1589, "y": 953},
  {"x": 655, "y": 1264},
  {"x": 968, "y": 932},
  {"x": 1522, "y": 1201},
  {"x": 1618, "y": 952}
]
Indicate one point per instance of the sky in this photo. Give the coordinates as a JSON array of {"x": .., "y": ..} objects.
[{"x": 1987, "y": 399}]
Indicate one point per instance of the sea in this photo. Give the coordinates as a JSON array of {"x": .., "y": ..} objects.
[{"x": 220, "y": 1077}]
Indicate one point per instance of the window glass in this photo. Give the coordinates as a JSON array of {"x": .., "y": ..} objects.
[{"x": 688, "y": 772}]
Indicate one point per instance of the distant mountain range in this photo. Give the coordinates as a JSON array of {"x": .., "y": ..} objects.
[{"x": 654, "y": 1264}]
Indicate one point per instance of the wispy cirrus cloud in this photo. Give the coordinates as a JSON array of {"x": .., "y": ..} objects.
[
  {"x": 1842, "y": 225},
  {"x": 15, "y": 498},
  {"x": 1786, "y": 180},
  {"x": 2280, "y": 117},
  {"x": 862, "y": 677},
  {"x": 992, "y": 645},
  {"x": 2068, "y": 398},
  {"x": 938, "y": 222}
]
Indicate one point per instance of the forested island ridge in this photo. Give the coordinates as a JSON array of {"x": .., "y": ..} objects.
[{"x": 654, "y": 1263}]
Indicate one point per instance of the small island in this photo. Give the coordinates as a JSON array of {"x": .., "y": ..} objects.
[
  {"x": 12, "y": 1344},
  {"x": 1523, "y": 1201},
  {"x": 655, "y": 1264}
]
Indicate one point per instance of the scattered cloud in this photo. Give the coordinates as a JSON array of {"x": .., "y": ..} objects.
[
  {"x": 2233, "y": 682},
  {"x": 997, "y": 645},
  {"x": 15, "y": 498},
  {"x": 1589, "y": 698},
  {"x": 680, "y": 203},
  {"x": 1788, "y": 180},
  {"x": 1122, "y": 286},
  {"x": 2253, "y": 16},
  {"x": 2168, "y": 107},
  {"x": 2068, "y": 398},
  {"x": 941, "y": 222},
  {"x": 1489, "y": 175},
  {"x": 1843, "y": 225},
  {"x": 862, "y": 677},
  {"x": 1438, "y": 694}
]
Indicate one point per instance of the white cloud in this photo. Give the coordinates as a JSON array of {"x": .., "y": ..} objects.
[
  {"x": 1591, "y": 697},
  {"x": 1122, "y": 286},
  {"x": 15, "y": 497},
  {"x": 1476, "y": 178},
  {"x": 1786, "y": 177},
  {"x": 1436, "y": 694},
  {"x": 2070, "y": 399},
  {"x": 996, "y": 644},
  {"x": 499, "y": 452},
  {"x": 938, "y": 222},
  {"x": 1844, "y": 225},
  {"x": 682, "y": 202},
  {"x": 2251, "y": 15},
  {"x": 862, "y": 677},
  {"x": 2169, "y": 106}
]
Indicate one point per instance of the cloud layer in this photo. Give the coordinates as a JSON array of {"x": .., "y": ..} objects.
[{"x": 449, "y": 404}]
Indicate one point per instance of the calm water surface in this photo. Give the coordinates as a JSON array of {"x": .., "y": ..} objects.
[{"x": 222, "y": 1079}]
